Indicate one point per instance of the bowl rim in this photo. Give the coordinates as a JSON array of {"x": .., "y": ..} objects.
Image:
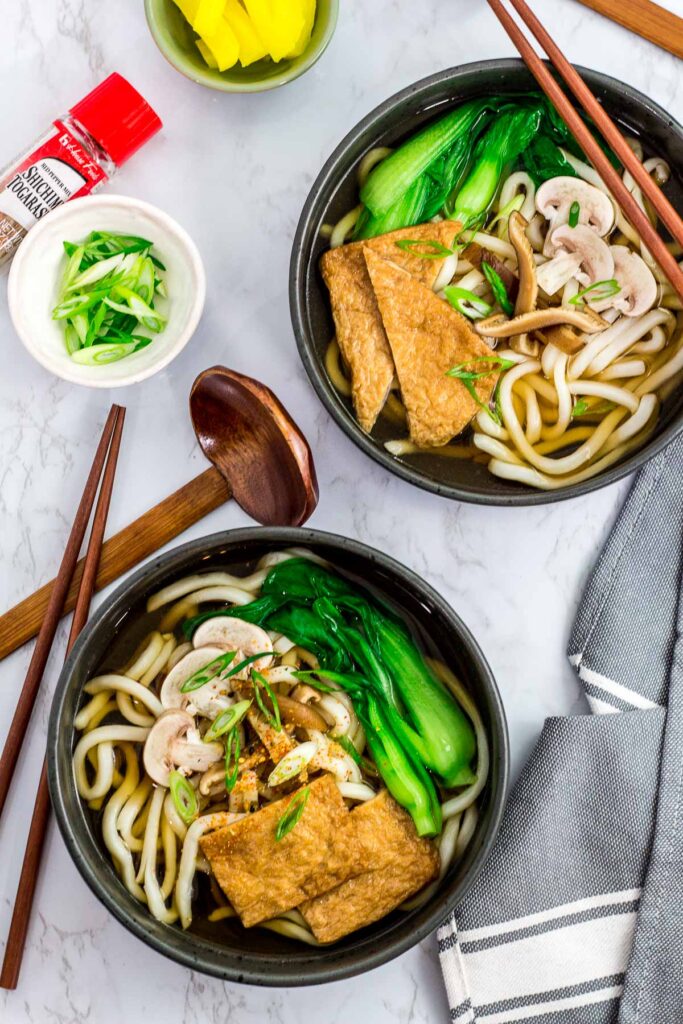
[
  {"x": 211, "y": 80},
  {"x": 330, "y": 172},
  {"x": 299, "y": 968},
  {"x": 195, "y": 268}
]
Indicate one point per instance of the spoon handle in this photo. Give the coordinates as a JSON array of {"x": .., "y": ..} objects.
[{"x": 122, "y": 552}]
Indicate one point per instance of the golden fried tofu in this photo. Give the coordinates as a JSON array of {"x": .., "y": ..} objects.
[
  {"x": 427, "y": 338},
  {"x": 397, "y": 864},
  {"x": 262, "y": 877},
  {"x": 360, "y": 333}
]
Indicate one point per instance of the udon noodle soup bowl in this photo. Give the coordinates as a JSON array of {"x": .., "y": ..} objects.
[
  {"x": 225, "y": 949},
  {"x": 335, "y": 192}
]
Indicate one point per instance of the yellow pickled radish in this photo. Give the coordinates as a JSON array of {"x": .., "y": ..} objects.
[
  {"x": 206, "y": 53},
  {"x": 309, "y": 7},
  {"x": 224, "y": 46},
  {"x": 207, "y": 19},
  {"x": 251, "y": 45},
  {"x": 263, "y": 18},
  {"x": 288, "y": 19},
  {"x": 189, "y": 8}
]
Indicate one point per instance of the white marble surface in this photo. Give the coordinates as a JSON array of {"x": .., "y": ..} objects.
[{"x": 235, "y": 171}]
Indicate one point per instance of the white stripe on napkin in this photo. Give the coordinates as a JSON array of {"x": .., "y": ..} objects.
[
  {"x": 569, "y": 955},
  {"x": 637, "y": 700},
  {"x": 606, "y": 899}
]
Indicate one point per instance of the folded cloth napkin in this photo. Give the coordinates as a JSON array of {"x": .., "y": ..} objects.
[{"x": 577, "y": 917}]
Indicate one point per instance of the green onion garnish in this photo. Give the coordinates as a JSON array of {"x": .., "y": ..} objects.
[
  {"x": 232, "y": 759},
  {"x": 107, "y": 295},
  {"x": 580, "y": 408},
  {"x": 361, "y": 761},
  {"x": 307, "y": 675},
  {"x": 425, "y": 248},
  {"x": 467, "y": 376},
  {"x": 271, "y": 714},
  {"x": 467, "y": 303},
  {"x": 498, "y": 288},
  {"x": 247, "y": 661},
  {"x": 292, "y": 816},
  {"x": 183, "y": 796},
  {"x": 597, "y": 292},
  {"x": 227, "y": 720},
  {"x": 209, "y": 672},
  {"x": 574, "y": 213}
]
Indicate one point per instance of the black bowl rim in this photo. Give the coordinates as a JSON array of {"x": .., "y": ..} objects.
[
  {"x": 306, "y": 347},
  {"x": 250, "y": 969}
]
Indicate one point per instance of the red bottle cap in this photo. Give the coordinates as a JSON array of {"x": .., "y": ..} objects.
[{"x": 118, "y": 118}]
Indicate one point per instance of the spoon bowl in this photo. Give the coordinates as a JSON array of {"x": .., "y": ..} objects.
[{"x": 253, "y": 442}]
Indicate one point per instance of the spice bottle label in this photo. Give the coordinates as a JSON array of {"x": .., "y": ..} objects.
[{"x": 60, "y": 169}]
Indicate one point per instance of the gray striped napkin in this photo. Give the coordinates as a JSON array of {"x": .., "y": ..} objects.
[{"x": 577, "y": 918}]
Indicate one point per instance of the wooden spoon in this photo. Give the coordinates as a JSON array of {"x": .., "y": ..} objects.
[{"x": 259, "y": 456}]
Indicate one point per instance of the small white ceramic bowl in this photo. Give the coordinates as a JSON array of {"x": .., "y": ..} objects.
[{"x": 39, "y": 263}]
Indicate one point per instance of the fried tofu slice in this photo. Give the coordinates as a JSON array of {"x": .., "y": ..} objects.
[
  {"x": 360, "y": 333},
  {"x": 427, "y": 338},
  {"x": 397, "y": 864},
  {"x": 262, "y": 877}
]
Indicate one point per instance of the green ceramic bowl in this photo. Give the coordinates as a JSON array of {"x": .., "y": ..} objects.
[{"x": 176, "y": 39}]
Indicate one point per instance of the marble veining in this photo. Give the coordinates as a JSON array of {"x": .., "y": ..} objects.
[{"x": 235, "y": 171}]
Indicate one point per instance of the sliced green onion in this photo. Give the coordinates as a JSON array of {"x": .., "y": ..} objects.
[
  {"x": 232, "y": 759},
  {"x": 498, "y": 288},
  {"x": 361, "y": 761},
  {"x": 271, "y": 714},
  {"x": 209, "y": 672},
  {"x": 307, "y": 676},
  {"x": 247, "y": 661},
  {"x": 597, "y": 292},
  {"x": 227, "y": 720},
  {"x": 99, "y": 355},
  {"x": 183, "y": 796},
  {"x": 425, "y": 248},
  {"x": 292, "y": 816},
  {"x": 467, "y": 303},
  {"x": 465, "y": 373},
  {"x": 580, "y": 408},
  {"x": 574, "y": 213}
]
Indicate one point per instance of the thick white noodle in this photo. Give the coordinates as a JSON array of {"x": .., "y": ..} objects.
[{"x": 103, "y": 739}]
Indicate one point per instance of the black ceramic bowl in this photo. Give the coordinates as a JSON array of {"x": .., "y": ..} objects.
[
  {"x": 259, "y": 957},
  {"x": 336, "y": 191}
]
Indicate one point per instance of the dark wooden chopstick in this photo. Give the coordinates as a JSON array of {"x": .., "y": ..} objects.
[
  {"x": 16, "y": 939},
  {"x": 22, "y": 714},
  {"x": 571, "y": 118},
  {"x": 609, "y": 131}
]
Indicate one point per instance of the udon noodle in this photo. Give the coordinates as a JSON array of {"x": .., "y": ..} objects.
[
  {"x": 155, "y": 852},
  {"x": 560, "y": 417}
]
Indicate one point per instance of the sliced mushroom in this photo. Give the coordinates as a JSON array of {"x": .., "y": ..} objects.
[
  {"x": 207, "y": 700},
  {"x": 563, "y": 337},
  {"x": 477, "y": 254},
  {"x": 300, "y": 714},
  {"x": 174, "y": 742},
  {"x": 527, "y": 294},
  {"x": 232, "y": 634},
  {"x": 577, "y": 252},
  {"x": 555, "y": 198},
  {"x": 500, "y": 327},
  {"x": 638, "y": 286}
]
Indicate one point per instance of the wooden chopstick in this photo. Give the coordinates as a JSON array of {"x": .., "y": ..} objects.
[
  {"x": 609, "y": 131},
  {"x": 16, "y": 938},
  {"x": 612, "y": 179},
  {"x": 649, "y": 20},
  {"x": 22, "y": 714}
]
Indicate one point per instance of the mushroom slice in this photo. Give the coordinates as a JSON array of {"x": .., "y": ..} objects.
[
  {"x": 637, "y": 284},
  {"x": 500, "y": 327},
  {"x": 207, "y": 700},
  {"x": 174, "y": 742},
  {"x": 300, "y": 714},
  {"x": 563, "y": 337},
  {"x": 555, "y": 197},
  {"x": 527, "y": 294},
  {"x": 577, "y": 252},
  {"x": 232, "y": 634}
]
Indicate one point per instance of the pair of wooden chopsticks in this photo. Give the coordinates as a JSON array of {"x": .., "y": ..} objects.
[
  {"x": 590, "y": 147},
  {"x": 107, "y": 452}
]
